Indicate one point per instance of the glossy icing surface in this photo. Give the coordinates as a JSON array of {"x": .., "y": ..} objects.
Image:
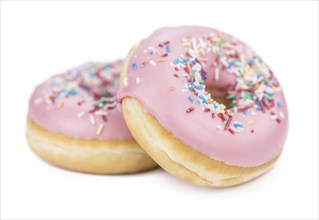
[
  {"x": 81, "y": 103},
  {"x": 169, "y": 72}
]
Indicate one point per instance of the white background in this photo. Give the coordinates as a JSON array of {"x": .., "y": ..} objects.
[{"x": 42, "y": 38}]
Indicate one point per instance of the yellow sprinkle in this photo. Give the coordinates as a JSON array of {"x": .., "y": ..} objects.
[
  {"x": 100, "y": 129},
  {"x": 187, "y": 44},
  {"x": 250, "y": 122},
  {"x": 60, "y": 104}
]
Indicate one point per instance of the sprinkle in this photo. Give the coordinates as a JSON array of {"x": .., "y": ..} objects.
[
  {"x": 213, "y": 115},
  {"x": 92, "y": 119},
  {"x": 190, "y": 109},
  {"x": 125, "y": 81},
  {"x": 152, "y": 63},
  {"x": 218, "y": 127},
  {"x": 134, "y": 65},
  {"x": 176, "y": 61},
  {"x": 231, "y": 130},
  {"x": 238, "y": 124},
  {"x": 37, "y": 101},
  {"x": 279, "y": 104},
  {"x": 250, "y": 122},
  {"x": 168, "y": 49},
  {"x": 278, "y": 120},
  {"x": 191, "y": 98},
  {"x": 81, "y": 114},
  {"x": 228, "y": 122},
  {"x": 216, "y": 74},
  {"x": 100, "y": 129},
  {"x": 252, "y": 130},
  {"x": 60, "y": 104},
  {"x": 104, "y": 118},
  {"x": 273, "y": 117},
  {"x": 137, "y": 80},
  {"x": 282, "y": 115},
  {"x": 175, "y": 75}
]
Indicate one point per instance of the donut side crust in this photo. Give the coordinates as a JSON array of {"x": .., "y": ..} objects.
[
  {"x": 179, "y": 159},
  {"x": 90, "y": 156}
]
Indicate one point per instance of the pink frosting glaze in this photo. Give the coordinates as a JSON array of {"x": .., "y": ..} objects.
[
  {"x": 81, "y": 103},
  {"x": 253, "y": 137}
]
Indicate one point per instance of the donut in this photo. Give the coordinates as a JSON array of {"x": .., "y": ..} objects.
[
  {"x": 74, "y": 122},
  {"x": 203, "y": 105}
]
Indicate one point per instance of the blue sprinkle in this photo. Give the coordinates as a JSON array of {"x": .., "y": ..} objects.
[
  {"x": 245, "y": 111},
  {"x": 191, "y": 88},
  {"x": 168, "y": 49},
  {"x": 204, "y": 75},
  {"x": 236, "y": 125},
  {"x": 186, "y": 59},
  {"x": 191, "y": 98},
  {"x": 194, "y": 62},
  {"x": 269, "y": 94},
  {"x": 151, "y": 53},
  {"x": 176, "y": 61},
  {"x": 228, "y": 65},
  {"x": 258, "y": 106},
  {"x": 134, "y": 65},
  {"x": 203, "y": 98},
  {"x": 264, "y": 99},
  {"x": 199, "y": 87},
  {"x": 251, "y": 62},
  {"x": 279, "y": 104},
  {"x": 215, "y": 106},
  {"x": 73, "y": 92},
  {"x": 192, "y": 79}
]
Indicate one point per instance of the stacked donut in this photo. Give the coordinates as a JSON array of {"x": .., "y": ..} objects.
[{"x": 199, "y": 102}]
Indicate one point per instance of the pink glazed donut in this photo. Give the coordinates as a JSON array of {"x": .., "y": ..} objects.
[
  {"x": 171, "y": 83},
  {"x": 73, "y": 122}
]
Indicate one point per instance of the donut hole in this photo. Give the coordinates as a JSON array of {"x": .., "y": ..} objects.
[{"x": 219, "y": 95}]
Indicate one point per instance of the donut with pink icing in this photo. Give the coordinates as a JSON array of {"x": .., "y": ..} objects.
[
  {"x": 74, "y": 122},
  {"x": 204, "y": 105}
]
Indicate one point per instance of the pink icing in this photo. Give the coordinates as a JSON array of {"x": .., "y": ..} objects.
[
  {"x": 151, "y": 80},
  {"x": 70, "y": 114}
]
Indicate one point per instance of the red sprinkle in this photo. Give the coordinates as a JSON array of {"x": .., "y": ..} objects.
[
  {"x": 190, "y": 109},
  {"x": 206, "y": 109},
  {"x": 160, "y": 45},
  {"x": 213, "y": 115},
  {"x": 175, "y": 75},
  {"x": 167, "y": 42},
  {"x": 228, "y": 122},
  {"x": 278, "y": 120},
  {"x": 176, "y": 69},
  {"x": 164, "y": 55},
  {"x": 104, "y": 118},
  {"x": 231, "y": 130}
]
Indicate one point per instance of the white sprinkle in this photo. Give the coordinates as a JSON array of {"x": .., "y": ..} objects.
[
  {"x": 273, "y": 117},
  {"x": 37, "y": 101},
  {"x": 253, "y": 113},
  {"x": 81, "y": 114},
  {"x": 152, "y": 63},
  {"x": 100, "y": 129},
  {"x": 145, "y": 51},
  {"x": 216, "y": 74},
  {"x": 282, "y": 115},
  {"x": 92, "y": 119},
  {"x": 184, "y": 90},
  {"x": 101, "y": 112},
  {"x": 125, "y": 81},
  {"x": 218, "y": 127},
  {"x": 137, "y": 80}
]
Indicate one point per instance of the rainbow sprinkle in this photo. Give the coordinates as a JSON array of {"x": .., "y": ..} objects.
[{"x": 96, "y": 83}]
